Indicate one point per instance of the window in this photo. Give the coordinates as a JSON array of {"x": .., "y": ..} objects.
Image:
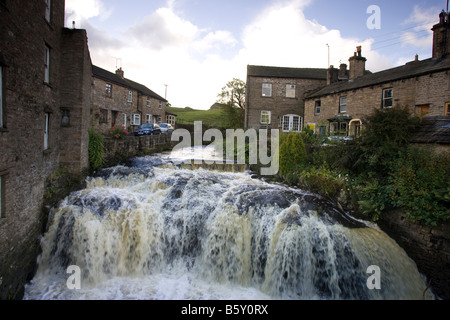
[
  {"x": 447, "y": 109},
  {"x": 290, "y": 91},
  {"x": 267, "y": 90},
  {"x": 317, "y": 106},
  {"x": 109, "y": 90},
  {"x": 2, "y": 197},
  {"x": 103, "y": 116},
  {"x": 148, "y": 101},
  {"x": 343, "y": 105},
  {"x": 130, "y": 96},
  {"x": 48, "y": 10},
  {"x": 423, "y": 111},
  {"x": 148, "y": 118},
  {"x": 291, "y": 122},
  {"x": 2, "y": 123},
  {"x": 387, "y": 98},
  {"x": 47, "y": 64},
  {"x": 136, "y": 119},
  {"x": 265, "y": 117},
  {"x": 124, "y": 120},
  {"x": 46, "y": 131},
  {"x": 159, "y": 119},
  {"x": 160, "y": 105}
]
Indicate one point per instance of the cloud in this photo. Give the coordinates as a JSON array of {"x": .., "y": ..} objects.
[
  {"x": 422, "y": 20},
  {"x": 283, "y": 36},
  {"x": 165, "y": 48},
  {"x": 82, "y": 10},
  {"x": 164, "y": 28}
]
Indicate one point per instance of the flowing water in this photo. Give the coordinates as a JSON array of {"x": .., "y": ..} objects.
[{"x": 153, "y": 230}]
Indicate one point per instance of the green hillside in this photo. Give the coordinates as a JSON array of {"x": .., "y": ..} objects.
[{"x": 212, "y": 118}]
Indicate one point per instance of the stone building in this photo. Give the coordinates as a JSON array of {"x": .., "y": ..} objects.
[
  {"x": 45, "y": 85},
  {"x": 341, "y": 107},
  {"x": 118, "y": 101},
  {"x": 275, "y": 96}
]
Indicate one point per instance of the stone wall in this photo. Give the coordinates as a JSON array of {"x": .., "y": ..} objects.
[
  {"x": 428, "y": 246},
  {"x": 118, "y": 150}
]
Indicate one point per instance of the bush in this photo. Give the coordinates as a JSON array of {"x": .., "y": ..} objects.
[
  {"x": 292, "y": 152},
  {"x": 323, "y": 181},
  {"x": 96, "y": 149},
  {"x": 421, "y": 181},
  {"x": 117, "y": 132}
]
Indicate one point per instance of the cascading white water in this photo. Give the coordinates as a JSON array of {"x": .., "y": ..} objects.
[{"x": 155, "y": 231}]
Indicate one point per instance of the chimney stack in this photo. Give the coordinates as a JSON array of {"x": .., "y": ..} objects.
[
  {"x": 332, "y": 75},
  {"x": 120, "y": 72},
  {"x": 357, "y": 64},
  {"x": 343, "y": 72},
  {"x": 441, "y": 36}
]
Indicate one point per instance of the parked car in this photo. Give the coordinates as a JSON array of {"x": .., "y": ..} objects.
[
  {"x": 166, "y": 127},
  {"x": 148, "y": 129}
]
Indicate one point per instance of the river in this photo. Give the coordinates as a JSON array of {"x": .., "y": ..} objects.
[{"x": 154, "y": 230}]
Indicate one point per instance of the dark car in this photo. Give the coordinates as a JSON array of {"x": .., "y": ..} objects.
[
  {"x": 148, "y": 129},
  {"x": 166, "y": 127}
]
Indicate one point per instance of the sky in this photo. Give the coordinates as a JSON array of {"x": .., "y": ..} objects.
[{"x": 187, "y": 50}]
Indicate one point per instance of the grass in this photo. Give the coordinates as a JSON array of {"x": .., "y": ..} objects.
[{"x": 212, "y": 118}]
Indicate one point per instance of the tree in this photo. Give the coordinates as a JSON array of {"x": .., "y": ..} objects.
[{"x": 233, "y": 94}]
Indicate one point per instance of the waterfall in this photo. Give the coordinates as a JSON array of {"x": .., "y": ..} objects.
[{"x": 155, "y": 230}]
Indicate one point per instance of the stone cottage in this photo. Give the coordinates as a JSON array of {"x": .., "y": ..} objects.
[
  {"x": 45, "y": 99},
  {"x": 118, "y": 101},
  {"x": 341, "y": 107}
]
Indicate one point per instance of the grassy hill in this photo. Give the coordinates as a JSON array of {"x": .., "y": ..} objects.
[{"x": 213, "y": 118}]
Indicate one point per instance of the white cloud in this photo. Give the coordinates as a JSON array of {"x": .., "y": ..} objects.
[
  {"x": 81, "y": 10},
  {"x": 422, "y": 20},
  {"x": 164, "y": 48},
  {"x": 283, "y": 36}
]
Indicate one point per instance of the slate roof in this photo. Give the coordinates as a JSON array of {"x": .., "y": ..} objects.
[
  {"x": 410, "y": 70},
  {"x": 112, "y": 77},
  {"x": 433, "y": 130},
  {"x": 282, "y": 72}
]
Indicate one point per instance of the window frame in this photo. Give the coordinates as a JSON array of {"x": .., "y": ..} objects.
[
  {"x": 160, "y": 105},
  {"x": 2, "y": 195},
  {"x": 264, "y": 114},
  {"x": 108, "y": 90},
  {"x": 384, "y": 99},
  {"x": 292, "y": 89},
  {"x": 267, "y": 86},
  {"x": 148, "y": 101},
  {"x": 148, "y": 118},
  {"x": 289, "y": 123},
  {"x": 2, "y": 104},
  {"x": 47, "y": 64},
  {"x": 124, "y": 120},
  {"x": 135, "y": 119},
  {"x": 130, "y": 96},
  {"x": 47, "y": 131},
  {"x": 103, "y": 117},
  {"x": 48, "y": 10},
  {"x": 447, "y": 109},
  {"x": 317, "y": 106},
  {"x": 343, "y": 106}
]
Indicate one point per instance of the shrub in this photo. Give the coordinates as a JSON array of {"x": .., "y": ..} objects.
[
  {"x": 421, "y": 180},
  {"x": 117, "y": 132},
  {"x": 323, "y": 181},
  {"x": 292, "y": 152},
  {"x": 96, "y": 149}
]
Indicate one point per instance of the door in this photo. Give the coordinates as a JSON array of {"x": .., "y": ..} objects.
[{"x": 292, "y": 123}]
